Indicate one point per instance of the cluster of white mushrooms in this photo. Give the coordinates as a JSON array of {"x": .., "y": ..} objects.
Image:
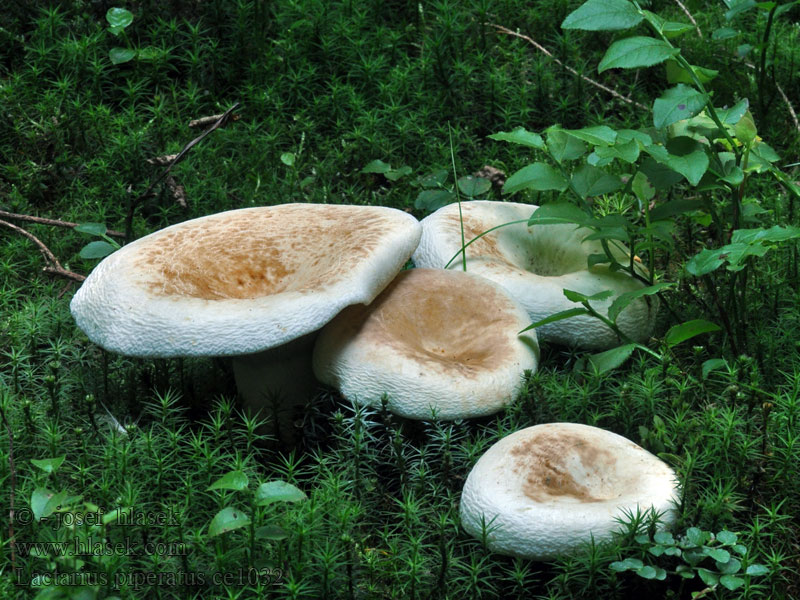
[{"x": 295, "y": 288}]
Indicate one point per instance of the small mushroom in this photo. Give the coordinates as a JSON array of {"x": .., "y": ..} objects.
[
  {"x": 543, "y": 491},
  {"x": 245, "y": 283},
  {"x": 535, "y": 264},
  {"x": 433, "y": 339}
]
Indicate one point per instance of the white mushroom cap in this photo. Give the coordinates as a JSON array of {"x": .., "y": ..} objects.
[
  {"x": 535, "y": 264},
  {"x": 242, "y": 281},
  {"x": 433, "y": 338},
  {"x": 545, "y": 490}
]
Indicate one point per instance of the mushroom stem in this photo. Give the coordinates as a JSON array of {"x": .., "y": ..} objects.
[{"x": 277, "y": 383}]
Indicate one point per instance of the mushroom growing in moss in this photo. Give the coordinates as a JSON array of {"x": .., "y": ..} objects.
[
  {"x": 544, "y": 491},
  {"x": 535, "y": 264},
  {"x": 245, "y": 283}
]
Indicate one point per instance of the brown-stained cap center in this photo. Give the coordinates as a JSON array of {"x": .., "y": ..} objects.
[
  {"x": 260, "y": 252},
  {"x": 565, "y": 464},
  {"x": 444, "y": 319}
]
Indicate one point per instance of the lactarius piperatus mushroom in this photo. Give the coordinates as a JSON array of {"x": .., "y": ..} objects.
[
  {"x": 543, "y": 491},
  {"x": 433, "y": 339},
  {"x": 535, "y": 264},
  {"x": 245, "y": 283}
]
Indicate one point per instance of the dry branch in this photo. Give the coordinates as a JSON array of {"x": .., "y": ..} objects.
[
  {"x": 546, "y": 52},
  {"x": 55, "y": 222},
  {"x": 690, "y": 17},
  {"x": 53, "y": 266}
]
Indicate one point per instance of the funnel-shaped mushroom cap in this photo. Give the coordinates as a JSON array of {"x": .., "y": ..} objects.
[
  {"x": 535, "y": 264},
  {"x": 433, "y": 338},
  {"x": 545, "y": 490},
  {"x": 242, "y": 281}
]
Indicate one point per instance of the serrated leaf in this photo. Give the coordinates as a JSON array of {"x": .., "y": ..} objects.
[
  {"x": 622, "y": 301},
  {"x": 558, "y": 212},
  {"x": 228, "y": 519},
  {"x": 635, "y": 52},
  {"x": 119, "y": 55},
  {"x": 603, "y": 15},
  {"x": 520, "y": 136},
  {"x": 537, "y": 176},
  {"x": 590, "y": 181},
  {"x": 731, "y": 116},
  {"x": 433, "y": 200},
  {"x": 677, "y": 74},
  {"x": 473, "y": 186},
  {"x": 685, "y": 331},
  {"x": 98, "y": 249},
  {"x": 611, "y": 359},
  {"x": 599, "y": 135},
  {"x": 233, "y": 480},
  {"x": 563, "y": 146},
  {"x": 119, "y": 17},
  {"x": 91, "y": 228},
  {"x": 48, "y": 465},
  {"x": 692, "y": 166},
  {"x": 278, "y": 491},
  {"x": 677, "y": 103},
  {"x": 559, "y": 316}
]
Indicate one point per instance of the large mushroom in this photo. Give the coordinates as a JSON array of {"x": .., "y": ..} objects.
[
  {"x": 245, "y": 283},
  {"x": 535, "y": 264},
  {"x": 543, "y": 491},
  {"x": 446, "y": 341}
]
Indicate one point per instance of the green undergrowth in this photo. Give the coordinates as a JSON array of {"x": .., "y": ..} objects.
[{"x": 325, "y": 89}]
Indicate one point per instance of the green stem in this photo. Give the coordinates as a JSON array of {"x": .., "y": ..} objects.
[{"x": 476, "y": 238}]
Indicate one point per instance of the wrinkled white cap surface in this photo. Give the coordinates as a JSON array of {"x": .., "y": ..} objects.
[
  {"x": 433, "y": 338},
  {"x": 547, "y": 489},
  {"x": 242, "y": 281},
  {"x": 535, "y": 264}
]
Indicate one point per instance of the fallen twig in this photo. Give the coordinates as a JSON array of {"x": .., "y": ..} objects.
[
  {"x": 546, "y": 52},
  {"x": 132, "y": 204},
  {"x": 690, "y": 17},
  {"x": 53, "y": 266},
  {"x": 55, "y": 222}
]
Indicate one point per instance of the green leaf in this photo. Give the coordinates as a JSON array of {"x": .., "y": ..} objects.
[
  {"x": 537, "y": 176},
  {"x": 44, "y": 502},
  {"x": 119, "y": 55},
  {"x": 623, "y": 300},
  {"x": 634, "y": 52},
  {"x": 709, "y": 578},
  {"x": 712, "y": 364},
  {"x": 603, "y": 15},
  {"x": 574, "y": 296},
  {"x": 756, "y": 570},
  {"x": 664, "y": 537},
  {"x": 559, "y": 316},
  {"x": 119, "y": 17},
  {"x": 730, "y": 566},
  {"x": 149, "y": 53},
  {"x": 228, "y": 519},
  {"x": 735, "y": 7},
  {"x": 96, "y": 249},
  {"x": 626, "y": 565},
  {"x": 395, "y": 174},
  {"x": 374, "y": 166},
  {"x": 684, "y": 331},
  {"x": 520, "y": 136},
  {"x": 473, "y": 186},
  {"x": 627, "y": 151},
  {"x": 731, "y": 116},
  {"x": 718, "y": 554},
  {"x": 114, "y": 515},
  {"x": 599, "y": 135},
  {"x": 647, "y": 572},
  {"x": 433, "y": 180},
  {"x": 611, "y": 359},
  {"x": 677, "y": 103},
  {"x": 745, "y": 128},
  {"x": 674, "y": 208},
  {"x": 556, "y": 213},
  {"x": 432, "y": 200},
  {"x": 731, "y": 582},
  {"x": 278, "y": 491},
  {"x": 685, "y": 571},
  {"x": 91, "y": 228},
  {"x": 726, "y": 537},
  {"x": 48, "y": 465},
  {"x": 289, "y": 158},
  {"x": 233, "y": 480},
  {"x": 660, "y": 175},
  {"x": 563, "y": 146},
  {"x": 692, "y": 166},
  {"x": 724, "y": 33},
  {"x": 677, "y": 74},
  {"x": 590, "y": 181}
]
